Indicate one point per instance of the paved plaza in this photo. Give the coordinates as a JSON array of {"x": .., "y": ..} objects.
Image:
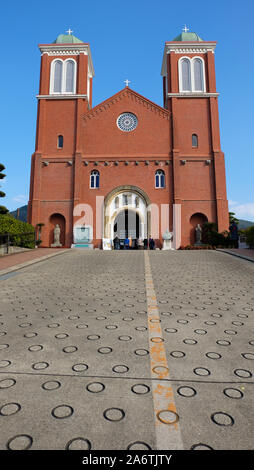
[{"x": 128, "y": 350}]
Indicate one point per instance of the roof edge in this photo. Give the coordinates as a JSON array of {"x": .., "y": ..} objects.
[{"x": 129, "y": 90}]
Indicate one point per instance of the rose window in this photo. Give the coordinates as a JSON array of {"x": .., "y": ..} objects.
[{"x": 127, "y": 122}]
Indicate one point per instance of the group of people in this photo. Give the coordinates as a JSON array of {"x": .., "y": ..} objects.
[{"x": 136, "y": 244}]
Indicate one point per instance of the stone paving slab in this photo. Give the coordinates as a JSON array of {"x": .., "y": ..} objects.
[
  {"x": 245, "y": 253},
  {"x": 75, "y": 351},
  {"x": 16, "y": 261}
]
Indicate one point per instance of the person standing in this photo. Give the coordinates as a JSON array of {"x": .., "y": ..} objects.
[
  {"x": 116, "y": 243},
  {"x": 234, "y": 234},
  {"x": 126, "y": 243},
  {"x": 151, "y": 244}
]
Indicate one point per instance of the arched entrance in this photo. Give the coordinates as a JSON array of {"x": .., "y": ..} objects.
[
  {"x": 60, "y": 220},
  {"x": 126, "y": 214},
  {"x": 127, "y": 224}
]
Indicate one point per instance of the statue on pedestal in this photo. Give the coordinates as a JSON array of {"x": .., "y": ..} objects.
[
  {"x": 57, "y": 232},
  {"x": 167, "y": 239},
  {"x": 198, "y": 235}
]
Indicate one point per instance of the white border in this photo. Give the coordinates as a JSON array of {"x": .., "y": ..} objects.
[
  {"x": 162, "y": 172},
  {"x": 63, "y": 84},
  {"x": 94, "y": 173},
  {"x": 192, "y": 82}
]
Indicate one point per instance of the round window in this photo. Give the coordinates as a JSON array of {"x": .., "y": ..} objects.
[{"x": 127, "y": 122}]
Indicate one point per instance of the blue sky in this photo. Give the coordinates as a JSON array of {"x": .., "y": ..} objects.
[{"x": 127, "y": 40}]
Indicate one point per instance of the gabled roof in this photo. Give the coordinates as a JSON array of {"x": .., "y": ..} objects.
[{"x": 133, "y": 95}]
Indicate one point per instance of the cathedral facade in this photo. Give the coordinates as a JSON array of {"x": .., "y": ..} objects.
[{"x": 127, "y": 167}]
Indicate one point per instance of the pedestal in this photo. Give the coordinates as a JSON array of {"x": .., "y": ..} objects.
[{"x": 167, "y": 245}]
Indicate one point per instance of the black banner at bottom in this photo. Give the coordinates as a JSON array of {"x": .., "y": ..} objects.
[{"x": 125, "y": 459}]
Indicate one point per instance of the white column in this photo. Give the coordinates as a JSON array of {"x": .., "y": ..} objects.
[{"x": 177, "y": 226}]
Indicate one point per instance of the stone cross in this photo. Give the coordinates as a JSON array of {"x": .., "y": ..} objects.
[
  {"x": 127, "y": 82},
  {"x": 69, "y": 31},
  {"x": 185, "y": 29}
]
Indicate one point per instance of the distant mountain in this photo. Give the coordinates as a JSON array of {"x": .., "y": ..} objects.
[
  {"x": 20, "y": 213},
  {"x": 243, "y": 224}
]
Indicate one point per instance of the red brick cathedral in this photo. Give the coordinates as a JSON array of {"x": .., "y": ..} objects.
[{"x": 127, "y": 167}]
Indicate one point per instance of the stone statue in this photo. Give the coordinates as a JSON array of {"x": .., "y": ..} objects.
[
  {"x": 198, "y": 231},
  {"x": 167, "y": 239},
  {"x": 57, "y": 232}
]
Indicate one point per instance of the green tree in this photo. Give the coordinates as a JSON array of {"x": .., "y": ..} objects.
[
  {"x": 232, "y": 218},
  {"x": 211, "y": 236},
  {"x": 20, "y": 233},
  {"x": 3, "y": 209}
]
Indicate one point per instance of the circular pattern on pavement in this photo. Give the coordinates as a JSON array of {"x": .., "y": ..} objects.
[
  {"x": 168, "y": 417},
  {"x": 95, "y": 387},
  {"x": 78, "y": 443},
  {"x": 222, "y": 419},
  {"x": 186, "y": 392},
  {"x": 51, "y": 385},
  {"x": 62, "y": 411},
  {"x": 10, "y": 409},
  {"x": 20, "y": 442},
  {"x": 233, "y": 393},
  {"x": 114, "y": 414}
]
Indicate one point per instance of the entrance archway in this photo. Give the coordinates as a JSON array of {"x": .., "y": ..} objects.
[
  {"x": 126, "y": 213},
  {"x": 127, "y": 223}
]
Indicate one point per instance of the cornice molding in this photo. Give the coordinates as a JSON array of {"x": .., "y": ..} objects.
[
  {"x": 192, "y": 95},
  {"x": 68, "y": 49},
  {"x": 63, "y": 52},
  {"x": 61, "y": 97},
  {"x": 185, "y": 48}
]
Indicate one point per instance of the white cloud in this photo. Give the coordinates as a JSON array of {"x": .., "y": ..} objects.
[
  {"x": 3, "y": 181},
  {"x": 21, "y": 199},
  {"x": 243, "y": 211}
]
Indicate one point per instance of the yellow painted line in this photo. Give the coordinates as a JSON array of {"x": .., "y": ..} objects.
[{"x": 167, "y": 422}]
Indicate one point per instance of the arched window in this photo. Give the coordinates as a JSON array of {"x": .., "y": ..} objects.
[
  {"x": 69, "y": 76},
  {"x": 125, "y": 199},
  {"x": 60, "y": 142},
  {"x": 160, "y": 179},
  {"x": 57, "y": 76},
  {"x": 63, "y": 76},
  {"x": 191, "y": 74},
  {"x": 198, "y": 75},
  {"x": 95, "y": 179},
  {"x": 116, "y": 202},
  {"x": 185, "y": 75},
  {"x": 194, "y": 140}
]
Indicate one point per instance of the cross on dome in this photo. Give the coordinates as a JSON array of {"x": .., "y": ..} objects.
[
  {"x": 69, "y": 31},
  {"x": 127, "y": 82},
  {"x": 185, "y": 29}
]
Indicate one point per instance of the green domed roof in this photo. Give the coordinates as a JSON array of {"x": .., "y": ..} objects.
[
  {"x": 66, "y": 39},
  {"x": 186, "y": 37}
]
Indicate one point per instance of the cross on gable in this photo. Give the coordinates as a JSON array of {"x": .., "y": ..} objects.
[
  {"x": 185, "y": 29},
  {"x": 127, "y": 82}
]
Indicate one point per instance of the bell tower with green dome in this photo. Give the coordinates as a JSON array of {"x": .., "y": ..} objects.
[
  {"x": 190, "y": 95},
  {"x": 65, "y": 95}
]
